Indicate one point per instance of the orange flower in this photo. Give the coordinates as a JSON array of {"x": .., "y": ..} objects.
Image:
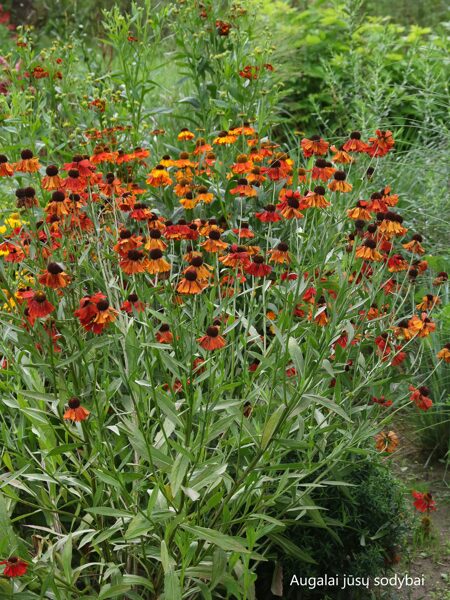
[
  {"x": 76, "y": 412},
  {"x": 28, "y": 163},
  {"x": 224, "y": 138},
  {"x": 52, "y": 181},
  {"x": 189, "y": 201},
  {"x": 420, "y": 397},
  {"x": 368, "y": 251},
  {"x": 191, "y": 284},
  {"x": 323, "y": 170},
  {"x": 415, "y": 245},
  {"x": 391, "y": 224},
  {"x": 159, "y": 177},
  {"x": 355, "y": 144},
  {"x": 201, "y": 147},
  {"x": 243, "y": 189},
  {"x": 386, "y": 441},
  {"x": 214, "y": 243},
  {"x": 185, "y": 135},
  {"x": 316, "y": 198},
  {"x": 157, "y": 264},
  {"x": 127, "y": 241},
  {"x": 203, "y": 271},
  {"x": 289, "y": 208},
  {"x": 424, "y": 502},
  {"x": 444, "y": 354},
  {"x": 242, "y": 165},
  {"x": 280, "y": 254},
  {"x": 268, "y": 215},
  {"x": 428, "y": 302},
  {"x": 155, "y": 241},
  {"x": 164, "y": 335},
  {"x": 54, "y": 277},
  {"x": 134, "y": 262},
  {"x": 6, "y": 170},
  {"x": 359, "y": 212},
  {"x": 397, "y": 263},
  {"x": 341, "y": 156},
  {"x": 314, "y": 145},
  {"x": 257, "y": 267},
  {"x": 132, "y": 303},
  {"x": 59, "y": 206},
  {"x": 212, "y": 340},
  {"x": 182, "y": 187},
  {"x": 184, "y": 161},
  {"x": 105, "y": 315},
  {"x": 203, "y": 195},
  {"x": 338, "y": 184},
  {"x": 380, "y": 145},
  {"x": 441, "y": 278}
]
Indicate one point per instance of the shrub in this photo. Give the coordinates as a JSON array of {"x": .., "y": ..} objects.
[{"x": 364, "y": 526}]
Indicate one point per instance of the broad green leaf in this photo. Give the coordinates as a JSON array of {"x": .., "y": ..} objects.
[
  {"x": 226, "y": 542},
  {"x": 270, "y": 426}
]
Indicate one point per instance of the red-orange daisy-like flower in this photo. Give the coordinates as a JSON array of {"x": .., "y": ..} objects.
[
  {"x": 420, "y": 397},
  {"x": 39, "y": 306},
  {"x": 132, "y": 303},
  {"x": 76, "y": 412},
  {"x": 355, "y": 143},
  {"x": 164, "y": 335},
  {"x": 257, "y": 267},
  {"x": 134, "y": 262},
  {"x": 28, "y": 163},
  {"x": 269, "y": 214},
  {"x": 338, "y": 183},
  {"x": 280, "y": 254},
  {"x": 444, "y": 353},
  {"x": 424, "y": 502},
  {"x": 6, "y": 170},
  {"x": 368, "y": 251},
  {"x": 212, "y": 340},
  {"x": 54, "y": 277},
  {"x": 191, "y": 284},
  {"x": 314, "y": 145},
  {"x": 381, "y": 144},
  {"x": 14, "y": 567}
]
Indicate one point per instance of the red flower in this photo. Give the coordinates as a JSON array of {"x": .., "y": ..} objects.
[
  {"x": 424, "y": 502},
  {"x": 212, "y": 340},
  {"x": 257, "y": 267},
  {"x": 14, "y": 567},
  {"x": 420, "y": 397},
  {"x": 39, "y": 306}
]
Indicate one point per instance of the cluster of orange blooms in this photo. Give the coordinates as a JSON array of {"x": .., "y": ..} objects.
[{"x": 216, "y": 244}]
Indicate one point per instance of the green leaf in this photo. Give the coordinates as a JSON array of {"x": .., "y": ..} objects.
[
  {"x": 270, "y": 426},
  {"x": 296, "y": 355},
  {"x": 292, "y": 549},
  {"x": 66, "y": 558},
  {"x": 138, "y": 526},
  {"x": 330, "y": 405},
  {"x": 106, "y": 511},
  {"x": 113, "y": 591},
  {"x": 172, "y": 587},
  {"x": 178, "y": 472},
  {"x": 226, "y": 542}
]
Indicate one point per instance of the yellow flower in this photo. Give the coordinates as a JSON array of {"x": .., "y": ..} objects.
[{"x": 14, "y": 220}]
